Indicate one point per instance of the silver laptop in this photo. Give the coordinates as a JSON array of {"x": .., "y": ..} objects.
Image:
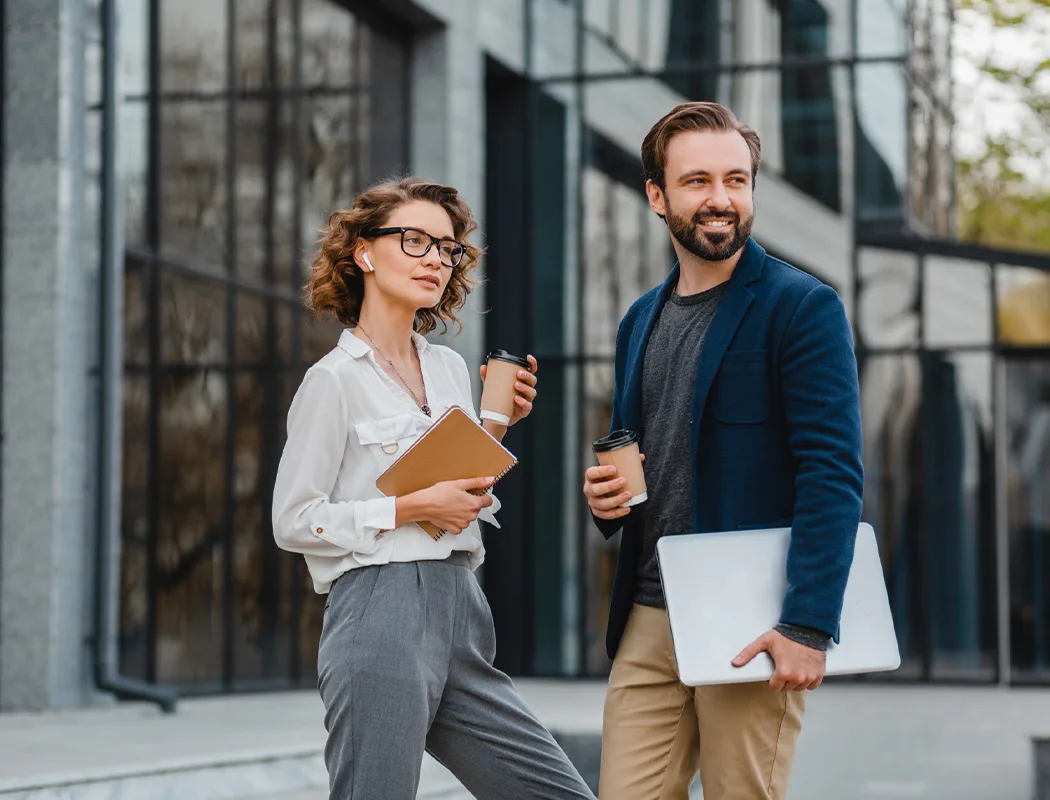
[{"x": 724, "y": 590}]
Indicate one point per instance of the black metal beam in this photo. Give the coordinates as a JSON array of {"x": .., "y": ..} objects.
[
  {"x": 949, "y": 248},
  {"x": 722, "y": 68}
]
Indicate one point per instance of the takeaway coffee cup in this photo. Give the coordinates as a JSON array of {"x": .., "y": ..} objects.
[
  {"x": 620, "y": 449},
  {"x": 497, "y": 398}
]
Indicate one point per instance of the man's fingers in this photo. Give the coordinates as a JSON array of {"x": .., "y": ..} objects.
[
  {"x": 750, "y": 651},
  {"x": 608, "y": 502},
  {"x": 616, "y": 513},
  {"x": 604, "y": 488},
  {"x": 595, "y": 474},
  {"x": 814, "y": 684}
]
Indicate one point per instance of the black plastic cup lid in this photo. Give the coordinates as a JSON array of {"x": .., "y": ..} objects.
[
  {"x": 503, "y": 355},
  {"x": 615, "y": 440}
]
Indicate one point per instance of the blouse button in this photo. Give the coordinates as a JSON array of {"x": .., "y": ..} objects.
[{"x": 320, "y": 530}]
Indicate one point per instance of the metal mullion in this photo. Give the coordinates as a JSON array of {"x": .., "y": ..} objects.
[
  {"x": 356, "y": 150},
  {"x": 529, "y": 445},
  {"x": 719, "y": 68},
  {"x": 153, "y": 235},
  {"x": 189, "y": 96},
  {"x": 296, "y": 565},
  {"x": 228, "y": 576},
  {"x": 270, "y": 586},
  {"x": 581, "y": 374},
  {"x": 134, "y": 258}
]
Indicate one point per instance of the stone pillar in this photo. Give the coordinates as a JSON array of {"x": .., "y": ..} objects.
[{"x": 49, "y": 260}]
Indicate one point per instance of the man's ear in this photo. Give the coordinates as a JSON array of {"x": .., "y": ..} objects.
[{"x": 657, "y": 198}]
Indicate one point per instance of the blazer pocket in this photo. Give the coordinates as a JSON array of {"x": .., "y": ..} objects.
[{"x": 742, "y": 388}]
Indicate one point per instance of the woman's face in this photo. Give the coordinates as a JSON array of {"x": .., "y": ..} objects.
[{"x": 411, "y": 280}]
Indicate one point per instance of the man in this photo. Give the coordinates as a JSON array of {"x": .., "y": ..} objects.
[{"x": 739, "y": 375}]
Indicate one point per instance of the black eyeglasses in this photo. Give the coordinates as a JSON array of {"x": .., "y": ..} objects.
[{"x": 417, "y": 243}]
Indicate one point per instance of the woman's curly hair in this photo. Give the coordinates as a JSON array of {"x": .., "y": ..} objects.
[{"x": 337, "y": 288}]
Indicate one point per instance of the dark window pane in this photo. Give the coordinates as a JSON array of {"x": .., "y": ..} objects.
[
  {"x": 253, "y": 324},
  {"x": 193, "y": 46},
  {"x": 330, "y": 159},
  {"x": 1028, "y": 514},
  {"x": 693, "y": 35},
  {"x": 626, "y": 253},
  {"x": 134, "y": 531},
  {"x": 319, "y": 336},
  {"x": 882, "y": 150},
  {"x": 193, "y": 319},
  {"x": 929, "y": 493},
  {"x": 133, "y": 54},
  {"x": 891, "y": 402},
  {"x": 329, "y": 45},
  {"x": 599, "y": 563},
  {"x": 809, "y": 115},
  {"x": 889, "y": 311},
  {"x": 193, "y": 189},
  {"x": 136, "y": 316},
  {"x": 957, "y": 302},
  {"x": 311, "y": 615},
  {"x": 265, "y": 35},
  {"x": 266, "y": 249},
  {"x": 191, "y": 527},
  {"x": 133, "y": 166},
  {"x": 257, "y": 562},
  {"x": 957, "y": 475},
  {"x": 286, "y": 319}
]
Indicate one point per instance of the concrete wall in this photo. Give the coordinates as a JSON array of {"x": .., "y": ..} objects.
[{"x": 49, "y": 263}]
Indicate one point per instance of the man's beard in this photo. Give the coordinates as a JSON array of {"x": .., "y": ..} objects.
[{"x": 706, "y": 245}]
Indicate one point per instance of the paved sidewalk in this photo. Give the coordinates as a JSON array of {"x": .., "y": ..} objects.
[{"x": 861, "y": 742}]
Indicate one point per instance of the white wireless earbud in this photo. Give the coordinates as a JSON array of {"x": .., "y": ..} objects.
[{"x": 369, "y": 263}]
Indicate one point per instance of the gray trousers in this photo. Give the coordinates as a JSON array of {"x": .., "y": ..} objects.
[{"x": 405, "y": 665}]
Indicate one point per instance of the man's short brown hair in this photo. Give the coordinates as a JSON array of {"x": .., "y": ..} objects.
[{"x": 693, "y": 117}]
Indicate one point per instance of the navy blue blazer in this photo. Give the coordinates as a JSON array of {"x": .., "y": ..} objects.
[{"x": 775, "y": 429}]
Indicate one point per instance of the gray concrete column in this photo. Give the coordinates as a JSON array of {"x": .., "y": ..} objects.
[
  {"x": 48, "y": 334},
  {"x": 448, "y": 139}
]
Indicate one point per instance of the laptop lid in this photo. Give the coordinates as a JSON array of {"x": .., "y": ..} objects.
[{"x": 724, "y": 590}]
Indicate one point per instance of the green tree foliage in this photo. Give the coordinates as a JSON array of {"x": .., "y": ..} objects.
[{"x": 1004, "y": 187}]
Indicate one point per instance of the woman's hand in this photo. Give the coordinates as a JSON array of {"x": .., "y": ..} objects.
[
  {"x": 450, "y": 504},
  {"x": 526, "y": 389}
]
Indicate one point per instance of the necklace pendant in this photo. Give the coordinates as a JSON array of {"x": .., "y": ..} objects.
[{"x": 425, "y": 409}]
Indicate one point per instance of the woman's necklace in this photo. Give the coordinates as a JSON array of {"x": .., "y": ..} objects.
[{"x": 421, "y": 403}]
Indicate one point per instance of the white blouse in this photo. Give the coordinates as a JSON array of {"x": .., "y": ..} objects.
[{"x": 348, "y": 422}]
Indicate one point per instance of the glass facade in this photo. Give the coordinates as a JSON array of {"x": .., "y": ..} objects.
[
  {"x": 851, "y": 100},
  {"x": 244, "y": 124}
]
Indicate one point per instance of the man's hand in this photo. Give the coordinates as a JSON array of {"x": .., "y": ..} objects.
[
  {"x": 796, "y": 666},
  {"x": 606, "y": 492}
]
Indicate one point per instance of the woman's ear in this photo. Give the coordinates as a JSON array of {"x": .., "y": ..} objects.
[{"x": 361, "y": 258}]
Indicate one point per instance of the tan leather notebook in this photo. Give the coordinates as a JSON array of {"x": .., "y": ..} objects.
[{"x": 454, "y": 447}]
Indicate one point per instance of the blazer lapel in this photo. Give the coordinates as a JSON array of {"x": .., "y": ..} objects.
[
  {"x": 632, "y": 407},
  {"x": 735, "y": 303}
]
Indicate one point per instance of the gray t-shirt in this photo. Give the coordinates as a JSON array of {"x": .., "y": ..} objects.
[{"x": 667, "y": 400}]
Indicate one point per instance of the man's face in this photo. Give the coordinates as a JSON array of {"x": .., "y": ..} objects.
[{"x": 708, "y": 201}]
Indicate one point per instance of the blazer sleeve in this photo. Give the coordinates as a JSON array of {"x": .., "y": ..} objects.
[{"x": 821, "y": 395}]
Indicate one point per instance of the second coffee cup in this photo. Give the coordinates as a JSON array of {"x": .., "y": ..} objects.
[
  {"x": 497, "y": 398},
  {"x": 620, "y": 449}
]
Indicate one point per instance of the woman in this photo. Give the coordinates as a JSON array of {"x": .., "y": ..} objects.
[{"x": 405, "y": 659}]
